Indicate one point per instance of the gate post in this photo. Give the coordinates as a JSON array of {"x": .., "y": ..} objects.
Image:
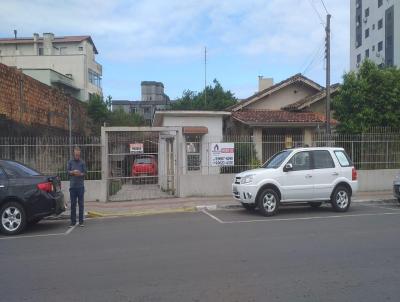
[{"x": 104, "y": 163}]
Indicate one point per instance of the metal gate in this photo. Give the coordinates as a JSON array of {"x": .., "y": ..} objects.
[{"x": 140, "y": 162}]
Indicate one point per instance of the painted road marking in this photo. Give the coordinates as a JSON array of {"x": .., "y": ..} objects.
[
  {"x": 66, "y": 233},
  {"x": 298, "y": 218}
]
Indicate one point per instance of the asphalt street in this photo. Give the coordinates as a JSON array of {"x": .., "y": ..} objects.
[{"x": 302, "y": 254}]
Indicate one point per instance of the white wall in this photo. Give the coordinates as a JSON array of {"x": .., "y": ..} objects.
[{"x": 95, "y": 190}]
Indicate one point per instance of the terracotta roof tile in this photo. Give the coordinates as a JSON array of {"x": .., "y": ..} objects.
[{"x": 258, "y": 117}]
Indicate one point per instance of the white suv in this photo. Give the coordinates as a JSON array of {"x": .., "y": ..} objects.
[{"x": 313, "y": 175}]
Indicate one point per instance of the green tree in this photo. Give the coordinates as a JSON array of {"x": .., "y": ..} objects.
[
  {"x": 368, "y": 98},
  {"x": 216, "y": 99},
  {"x": 99, "y": 110}
]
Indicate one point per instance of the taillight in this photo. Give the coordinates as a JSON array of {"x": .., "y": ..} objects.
[
  {"x": 46, "y": 186},
  {"x": 354, "y": 174}
]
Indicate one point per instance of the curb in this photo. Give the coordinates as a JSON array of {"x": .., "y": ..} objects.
[{"x": 94, "y": 214}]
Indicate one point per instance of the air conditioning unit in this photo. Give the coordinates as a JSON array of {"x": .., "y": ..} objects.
[{"x": 358, "y": 24}]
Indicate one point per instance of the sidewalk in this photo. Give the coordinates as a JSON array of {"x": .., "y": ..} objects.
[{"x": 174, "y": 205}]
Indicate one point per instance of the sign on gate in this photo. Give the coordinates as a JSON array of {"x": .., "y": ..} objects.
[
  {"x": 136, "y": 148},
  {"x": 222, "y": 154}
]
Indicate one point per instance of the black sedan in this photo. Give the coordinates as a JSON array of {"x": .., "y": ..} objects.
[{"x": 26, "y": 196}]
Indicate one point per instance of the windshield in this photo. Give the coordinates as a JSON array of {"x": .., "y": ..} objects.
[
  {"x": 145, "y": 160},
  {"x": 276, "y": 161}
]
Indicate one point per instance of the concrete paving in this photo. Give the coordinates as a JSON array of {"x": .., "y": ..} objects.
[{"x": 302, "y": 254}]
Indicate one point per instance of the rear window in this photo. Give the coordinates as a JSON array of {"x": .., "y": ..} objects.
[
  {"x": 143, "y": 161},
  {"x": 14, "y": 169},
  {"x": 343, "y": 158}
]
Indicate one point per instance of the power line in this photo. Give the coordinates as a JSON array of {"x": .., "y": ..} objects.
[
  {"x": 317, "y": 12},
  {"x": 314, "y": 56},
  {"x": 323, "y": 4}
]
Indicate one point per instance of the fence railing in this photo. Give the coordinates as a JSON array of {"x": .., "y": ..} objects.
[{"x": 49, "y": 155}]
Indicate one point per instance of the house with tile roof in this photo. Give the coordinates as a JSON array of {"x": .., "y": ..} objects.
[{"x": 293, "y": 109}]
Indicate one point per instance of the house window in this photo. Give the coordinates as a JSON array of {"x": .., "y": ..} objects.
[
  {"x": 373, "y": 47},
  {"x": 80, "y": 48},
  {"x": 94, "y": 78},
  {"x": 367, "y": 33},
  {"x": 193, "y": 152},
  {"x": 40, "y": 51},
  {"x": 373, "y": 26},
  {"x": 380, "y": 46},
  {"x": 133, "y": 109},
  {"x": 380, "y": 3},
  {"x": 358, "y": 58},
  {"x": 367, "y": 12},
  {"x": 367, "y": 53},
  {"x": 380, "y": 23}
]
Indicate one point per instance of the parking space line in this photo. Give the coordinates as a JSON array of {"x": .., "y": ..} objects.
[
  {"x": 66, "y": 233},
  {"x": 380, "y": 207},
  {"x": 298, "y": 218},
  {"x": 212, "y": 216}
]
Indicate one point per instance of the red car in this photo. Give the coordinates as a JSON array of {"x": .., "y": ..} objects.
[{"x": 145, "y": 166}]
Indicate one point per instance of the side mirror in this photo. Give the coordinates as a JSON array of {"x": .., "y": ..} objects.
[{"x": 288, "y": 167}]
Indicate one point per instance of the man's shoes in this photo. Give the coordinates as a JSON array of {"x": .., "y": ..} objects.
[
  {"x": 71, "y": 225},
  {"x": 81, "y": 225}
]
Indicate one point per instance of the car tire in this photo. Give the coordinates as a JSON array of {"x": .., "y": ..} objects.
[
  {"x": 341, "y": 199},
  {"x": 249, "y": 206},
  {"x": 12, "y": 218},
  {"x": 315, "y": 204},
  {"x": 268, "y": 202}
]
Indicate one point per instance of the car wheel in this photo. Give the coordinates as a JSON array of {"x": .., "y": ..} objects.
[
  {"x": 341, "y": 199},
  {"x": 249, "y": 206},
  {"x": 268, "y": 202},
  {"x": 315, "y": 204},
  {"x": 13, "y": 218}
]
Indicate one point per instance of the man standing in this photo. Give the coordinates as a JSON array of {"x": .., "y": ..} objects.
[{"x": 76, "y": 170}]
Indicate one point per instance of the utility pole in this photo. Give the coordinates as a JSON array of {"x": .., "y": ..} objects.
[
  {"x": 70, "y": 129},
  {"x": 328, "y": 73},
  {"x": 205, "y": 76}
]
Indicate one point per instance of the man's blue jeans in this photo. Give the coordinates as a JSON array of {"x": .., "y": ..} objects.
[{"x": 76, "y": 195}]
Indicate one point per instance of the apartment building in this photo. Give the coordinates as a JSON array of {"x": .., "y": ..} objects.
[
  {"x": 66, "y": 62},
  {"x": 374, "y": 32}
]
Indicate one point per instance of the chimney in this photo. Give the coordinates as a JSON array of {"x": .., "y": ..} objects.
[
  {"x": 48, "y": 43},
  {"x": 35, "y": 43},
  {"x": 264, "y": 83}
]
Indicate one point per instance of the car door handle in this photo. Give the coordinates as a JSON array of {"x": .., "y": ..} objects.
[
  {"x": 335, "y": 173},
  {"x": 308, "y": 176}
]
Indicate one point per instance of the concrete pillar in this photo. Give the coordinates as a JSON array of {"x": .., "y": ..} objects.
[
  {"x": 257, "y": 140},
  {"x": 104, "y": 162},
  {"x": 308, "y": 136},
  {"x": 48, "y": 43}
]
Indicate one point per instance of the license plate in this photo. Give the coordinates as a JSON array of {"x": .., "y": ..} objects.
[{"x": 234, "y": 189}]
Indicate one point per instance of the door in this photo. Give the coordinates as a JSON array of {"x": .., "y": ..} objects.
[
  {"x": 3, "y": 184},
  {"x": 325, "y": 174},
  {"x": 298, "y": 184}
]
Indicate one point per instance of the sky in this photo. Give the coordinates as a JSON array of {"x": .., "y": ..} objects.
[{"x": 164, "y": 40}]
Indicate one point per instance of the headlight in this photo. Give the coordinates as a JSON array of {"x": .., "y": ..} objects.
[{"x": 247, "y": 179}]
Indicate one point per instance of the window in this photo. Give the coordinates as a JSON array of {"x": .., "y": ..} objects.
[
  {"x": 40, "y": 51},
  {"x": 367, "y": 33},
  {"x": 380, "y": 3},
  {"x": 367, "y": 53},
  {"x": 193, "y": 153},
  {"x": 301, "y": 161},
  {"x": 373, "y": 26},
  {"x": 15, "y": 168},
  {"x": 275, "y": 161},
  {"x": 358, "y": 58},
  {"x": 133, "y": 109},
  {"x": 380, "y": 23},
  {"x": 380, "y": 46},
  {"x": 343, "y": 159},
  {"x": 366, "y": 12},
  {"x": 323, "y": 160},
  {"x": 94, "y": 78},
  {"x": 2, "y": 174},
  {"x": 80, "y": 48},
  {"x": 373, "y": 47}
]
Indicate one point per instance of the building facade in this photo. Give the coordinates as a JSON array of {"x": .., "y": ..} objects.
[
  {"x": 67, "y": 62},
  {"x": 153, "y": 98},
  {"x": 374, "y": 32}
]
